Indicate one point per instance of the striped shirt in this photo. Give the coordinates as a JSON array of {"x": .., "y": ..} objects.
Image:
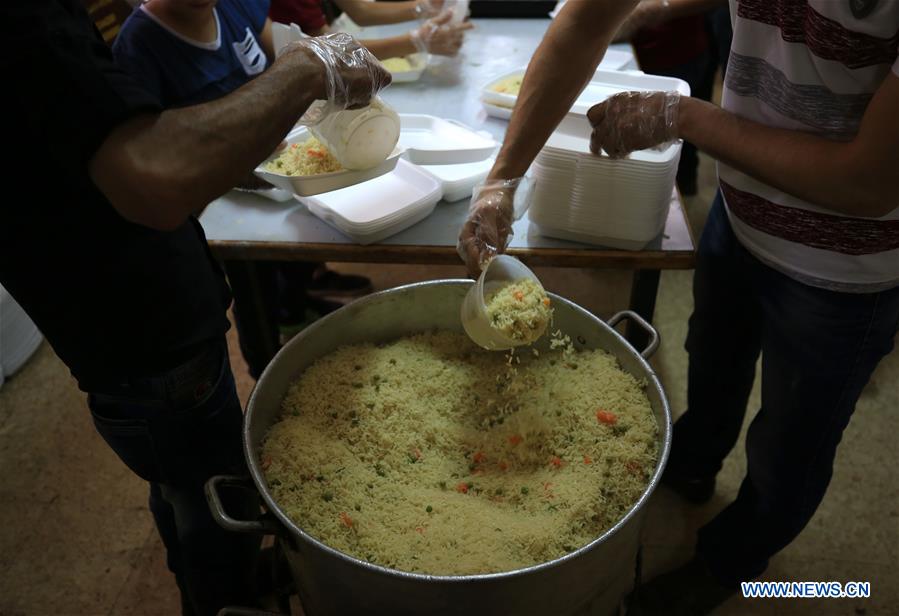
[{"x": 811, "y": 66}]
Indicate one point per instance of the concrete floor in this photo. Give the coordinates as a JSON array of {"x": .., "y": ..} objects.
[{"x": 76, "y": 536}]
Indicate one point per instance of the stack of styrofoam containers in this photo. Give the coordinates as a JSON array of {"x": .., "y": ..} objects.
[
  {"x": 19, "y": 336},
  {"x": 618, "y": 203}
]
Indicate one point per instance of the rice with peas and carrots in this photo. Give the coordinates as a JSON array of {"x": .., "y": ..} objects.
[
  {"x": 307, "y": 158},
  {"x": 520, "y": 310},
  {"x": 431, "y": 455}
]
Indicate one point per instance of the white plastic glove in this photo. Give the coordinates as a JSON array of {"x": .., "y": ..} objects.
[
  {"x": 425, "y": 9},
  {"x": 352, "y": 75},
  {"x": 488, "y": 229},
  {"x": 632, "y": 121},
  {"x": 439, "y": 36}
]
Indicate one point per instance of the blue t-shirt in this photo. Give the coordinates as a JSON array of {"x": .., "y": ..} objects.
[{"x": 182, "y": 72}]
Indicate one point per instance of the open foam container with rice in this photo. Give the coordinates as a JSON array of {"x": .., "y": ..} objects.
[{"x": 443, "y": 159}]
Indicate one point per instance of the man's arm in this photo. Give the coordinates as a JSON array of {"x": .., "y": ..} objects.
[
  {"x": 571, "y": 49},
  {"x": 157, "y": 169},
  {"x": 859, "y": 177},
  {"x": 391, "y": 47},
  {"x": 653, "y": 12},
  {"x": 367, "y": 13}
]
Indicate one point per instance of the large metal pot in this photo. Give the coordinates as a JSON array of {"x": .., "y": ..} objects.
[{"x": 591, "y": 580}]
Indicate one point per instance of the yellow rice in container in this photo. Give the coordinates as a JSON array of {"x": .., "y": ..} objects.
[
  {"x": 307, "y": 158},
  {"x": 397, "y": 65},
  {"x": 509, "y": 85},
  {"x": 432, "y": 455},
  {"x": 520, "y": 310}
]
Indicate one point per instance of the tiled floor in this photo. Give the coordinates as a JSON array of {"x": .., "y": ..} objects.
[{"x": 76, "y": 536}]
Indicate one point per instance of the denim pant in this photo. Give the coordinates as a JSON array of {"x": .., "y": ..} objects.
[
  {"x": 175, "y": 431},
  {"x": 818, "y": 351}
]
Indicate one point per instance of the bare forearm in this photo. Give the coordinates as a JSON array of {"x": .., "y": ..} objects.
[
  {"x": 376, "y": 13},
  {"x": 393, "y": 47},
  {"x": 684, "y": 8},
  {"x": 182, "y": 159},
  {"x": 562, "y": 65},
  {"x": 848, "y": 177}
]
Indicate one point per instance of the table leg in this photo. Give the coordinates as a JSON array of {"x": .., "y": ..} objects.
[{"x": 644, "y": 290}]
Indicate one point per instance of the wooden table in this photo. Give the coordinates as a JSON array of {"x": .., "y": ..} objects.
[{"x": 244, "y": 228}]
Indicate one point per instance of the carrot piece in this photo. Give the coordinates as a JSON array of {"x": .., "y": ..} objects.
[
  {"x": 462, "y": 488},
  {"x": 632, "y": 466},
  {"x": 503, "y": 465},
  {"x": 479, "y": 457},
  {"x": 346, "y": 519},
  {"x": 556, "y": 461},
  {"x": 605, "y": 417},
  {"x": 266, "y": 462},
  {"x": 518, "y": 295},
  {"x": 587, "y": 460},
  {"x": 515, "y": 439},
  {"x": 417, "y": 453},
  {"x": 546, "y": 302},
  {"x": 420, "y": 529}
]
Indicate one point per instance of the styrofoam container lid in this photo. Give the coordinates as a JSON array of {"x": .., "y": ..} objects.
[
  {"x": 309, "y": 185},
  {"x": 429, "y": 140},
  {"x": 458, "y": 181},
  {"x": 383, "y": 200}
]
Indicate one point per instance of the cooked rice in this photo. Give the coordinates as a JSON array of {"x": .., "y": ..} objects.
[
  {"x": 397, "y": 65},
  {"x": 431, "y": 455},
  {"x": 509, "y": 85},
  {"x": 520, "y": 310},
  {"x": 307, "y": 158}
]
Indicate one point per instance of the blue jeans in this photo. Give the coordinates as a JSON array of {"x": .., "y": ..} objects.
[
  {"x": 818, "y": 351},
  {"x": 176, "y": 430}
]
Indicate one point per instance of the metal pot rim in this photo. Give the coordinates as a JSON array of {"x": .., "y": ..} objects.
[{"x": 294, "y": 530}]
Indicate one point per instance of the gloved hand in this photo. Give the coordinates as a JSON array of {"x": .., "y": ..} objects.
[
  {"x": 647, "y": 13},
  {"x": 440, "y": 37},
  {"x": 425, "y": 9},
  {"x": 352, "y": 75},
  {"x": 632, "y": 121},
  {"x": 488, "y": 229}
]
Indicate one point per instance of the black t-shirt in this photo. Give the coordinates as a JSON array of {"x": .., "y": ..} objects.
[{"x": 115, "y": 299}]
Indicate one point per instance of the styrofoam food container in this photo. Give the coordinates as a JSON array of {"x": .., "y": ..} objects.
[
  {"x": 309, "y": 185},
  {"x": 459, "y": 180},
  {"x": 419, "y": 62},
  {"x": 429, "y": 140},
  {"x": 602, "y": 85},
  {"x": 381, "y": 207},
  {"x": 500, "y": 270}
]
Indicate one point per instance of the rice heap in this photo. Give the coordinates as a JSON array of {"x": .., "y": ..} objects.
[
  {"x": 432, "y": 455},
  {"x": 520, "y": 310},
  {"x": 307, "y": 158},
  {"x": 509, "y": 85},
  {"x": 397, "y": 65}
]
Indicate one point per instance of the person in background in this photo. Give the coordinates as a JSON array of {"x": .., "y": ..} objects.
[
  {"x": 436, "y": 35},
  {"x": 114, "y": 268},
  {"x": 673, "y": 38},
  {"x": 186, "y": 54},
  {"x": 798, "y": 262}
]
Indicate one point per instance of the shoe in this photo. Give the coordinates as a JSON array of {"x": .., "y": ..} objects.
[
  {"x": 691, "y": 590},
  {"x": 696, "y": 490},
  {"x": 328, "y": 283},
  {"x": 316, "y": 309}
]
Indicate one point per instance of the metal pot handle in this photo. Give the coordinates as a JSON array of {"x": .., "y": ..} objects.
[
  {"x": 653, "y": 334},
  {"x": 266, "y": 524}
]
